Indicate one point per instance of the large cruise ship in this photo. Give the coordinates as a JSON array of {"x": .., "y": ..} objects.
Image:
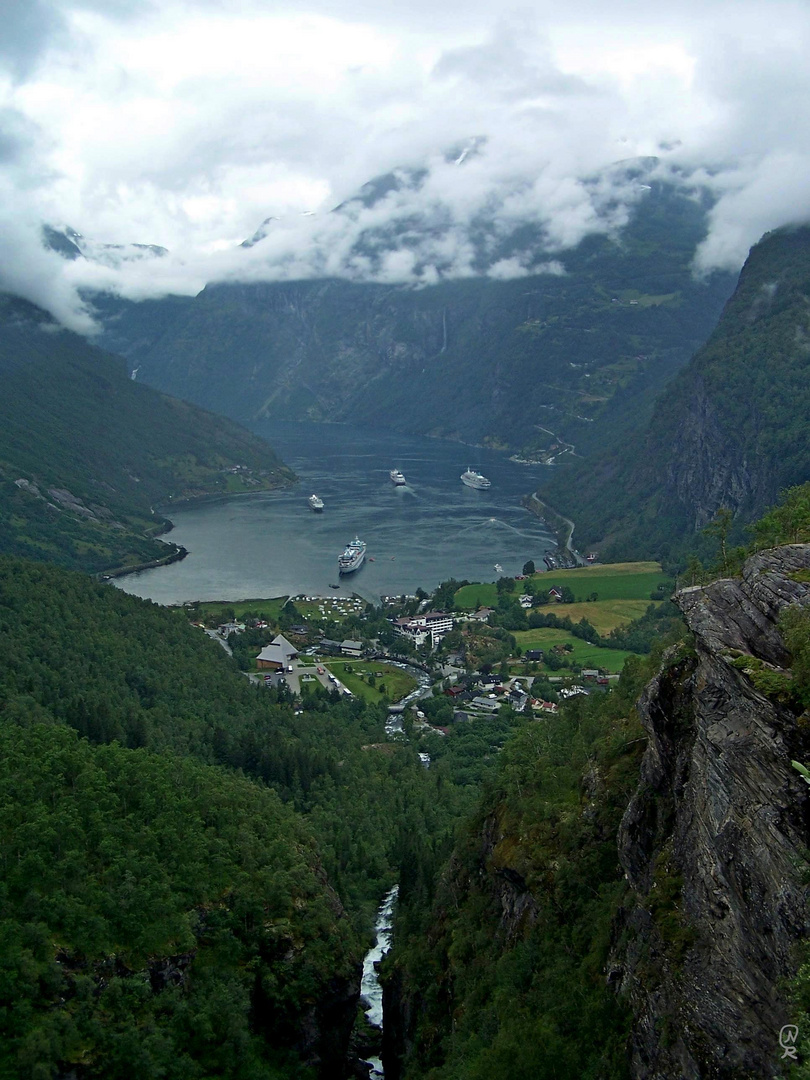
[
  {"x": 474, "y": 479},
  {"x": 352, "y": 557},
  {"x": 315, "y": 503},
  {"x": 397, "y": 478}
]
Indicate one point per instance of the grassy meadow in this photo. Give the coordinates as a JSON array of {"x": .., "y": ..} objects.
[
  {"x": 605, "y": 615},
  {"x": 590, "y": 656},
  {"x": 224, "y": 610},
  {"x": 397, "y": 683},
  {"x": 623, "y": 593},
  {"x": 616, "y": 581}
]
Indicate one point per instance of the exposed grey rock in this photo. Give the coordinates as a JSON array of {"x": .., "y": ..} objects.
[
  {"x": 713, "y": 841},
  {"x": 70, "y": 502},
  {"x": 705, "y": 470},
  {"x": 26, "y": 485}
]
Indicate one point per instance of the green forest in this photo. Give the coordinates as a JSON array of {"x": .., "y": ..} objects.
[
  {"x": 730, "y": 431},
  {"x": 191, "y": 863},
  {"x": 90, "y": 459},
  {"x": 186, "y": 854}
]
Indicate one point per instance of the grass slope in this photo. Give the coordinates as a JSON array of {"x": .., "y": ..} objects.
[
  {"x": 583, "y": 653},
  {"x": 623, "y": 582},
  {"x": 98, "y": 453}
]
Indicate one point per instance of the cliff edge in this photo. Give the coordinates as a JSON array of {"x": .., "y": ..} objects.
[{"x": 713, "y": 843}]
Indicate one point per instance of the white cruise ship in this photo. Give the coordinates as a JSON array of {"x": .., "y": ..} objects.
[
  {"x": 397, "y": 478},
  {"x": 315, "y": 503},
  {"x": 474, "y": 479},
  {"x": 352, "y": 557}
]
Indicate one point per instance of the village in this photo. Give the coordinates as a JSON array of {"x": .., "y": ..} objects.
[{"x": 522, "y": 647}]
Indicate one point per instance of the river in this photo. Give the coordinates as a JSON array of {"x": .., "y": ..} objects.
[
  {"x": 370, "y": 989},
  {"x": 434, "y": 528}
]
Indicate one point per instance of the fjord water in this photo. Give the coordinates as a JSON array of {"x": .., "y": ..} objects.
[{"x": 272, "y": 543}]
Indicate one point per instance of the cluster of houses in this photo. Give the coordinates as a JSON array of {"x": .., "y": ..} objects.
[
  {"x": 341, "y": 648},
  {"x": 486, "y": 694}
]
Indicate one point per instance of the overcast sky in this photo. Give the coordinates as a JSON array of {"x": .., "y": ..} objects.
[{"x": 186, "y": 123}]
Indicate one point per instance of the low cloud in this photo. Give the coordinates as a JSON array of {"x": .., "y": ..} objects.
[{"x": 187, "y": 124}]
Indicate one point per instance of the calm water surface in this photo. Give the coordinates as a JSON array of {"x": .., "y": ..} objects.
[{"x": 271, "y": 543}]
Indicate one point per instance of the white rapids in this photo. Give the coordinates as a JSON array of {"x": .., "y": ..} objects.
[{"x": 370, "y": 989}]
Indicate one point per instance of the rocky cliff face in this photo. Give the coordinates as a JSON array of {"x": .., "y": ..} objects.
[
  {"x": 713, "y": 843},
  {"x": 705, "y": 471},
  {"x": 623, "y": 893},
  {"x": 730, "y": 430}
]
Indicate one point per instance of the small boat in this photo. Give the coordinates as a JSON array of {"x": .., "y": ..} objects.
[
  {"x": 334, "y": 586},
  {"x": 315, "y": 503}
]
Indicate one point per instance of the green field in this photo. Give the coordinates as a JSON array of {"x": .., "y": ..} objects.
[
  {"x": 398, "y": 683},
  {"x": 616, "y": 581},
  {"x": 265, "y": 609},
  {"x": 583, "y": 652},
  {"x": 604, "y": 615}
]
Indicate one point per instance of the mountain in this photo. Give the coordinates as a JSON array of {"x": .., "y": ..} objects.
[
  {"x": 70, "y": 244},
  {"x": 163, "y": 913},
  {"x": 574, "y": 346},
  {"x": 87, "y": 456},
  {"x": 731, "y": 429},
  {"x": 630, "y": 900}
]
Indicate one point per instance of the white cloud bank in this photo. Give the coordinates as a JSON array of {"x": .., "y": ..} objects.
[{"x": 187, "y": 123}]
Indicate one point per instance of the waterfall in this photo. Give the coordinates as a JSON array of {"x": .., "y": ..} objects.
[{"x": 370, "y": 989}]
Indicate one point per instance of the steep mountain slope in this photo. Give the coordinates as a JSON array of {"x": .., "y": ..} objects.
[
  {"x": 161, "y": 919},
  {"x": 731, "y": 430},
  {"x": 714, "y": 840},
  {"x": 86, "y": 454},
  {"x": 577, "y": 351},
  {"x": 162, "y": 915},
  {"x": 601, "y": 900}
]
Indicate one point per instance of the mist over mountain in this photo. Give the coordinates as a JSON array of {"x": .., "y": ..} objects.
[
  {"x": 535, "y": 343},
  {"x": 591, "y": 831},
  {"x": 730, "y": 430}
]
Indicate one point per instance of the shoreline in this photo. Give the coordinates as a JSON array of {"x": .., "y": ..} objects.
[
  {"x": 562, "y": 526},
  {"x": 179, "y": 551},
  {"x": 176, "y": 555}
]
